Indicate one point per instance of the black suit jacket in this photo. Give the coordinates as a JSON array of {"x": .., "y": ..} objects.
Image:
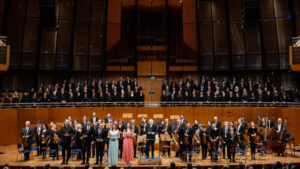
[
  {"x": 93, "y": 118},
  {"x": 89, "y": 134},
  {"x": 223, "y": 132},
  {"x": 106, "y": 120},
  {"x": 29, "y": 133},
  {"x": 151, "y": 129},
  {"x": 276, "y": 128},
  {"x": 103, "y": 134},
  {"x": 36, "y": 133}
]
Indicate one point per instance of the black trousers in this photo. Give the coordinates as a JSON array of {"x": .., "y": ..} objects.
[
  {"x": 150, "y": 143},
  {"x": 134, "y": 150},
  {"x": 99, "y": 151},
  {"x": 204, "y": 150},
  {"x": 38, "y": 143},
  {"x": 120, "y": 148},
  {"x": 181, "y": 150},
  {"x": 66, "y": 146},
  {"x": 224, "y": 146},
  {"x": 43, "y": 149},
  {"x": 86, "y": 151},
  {"x": 26, "y": 155},
  {"x": 94, "y": 149},
  {"x": 253, "y": 148},
  {"x": 231, "y": 155}
]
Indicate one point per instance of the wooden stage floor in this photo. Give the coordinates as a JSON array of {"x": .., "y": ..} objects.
[{"x": 10, "y": 156}]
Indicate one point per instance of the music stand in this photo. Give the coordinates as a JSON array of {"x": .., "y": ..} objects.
[
  {"x": 141, "y": 139},
  {"x": 164, "y": 138}
]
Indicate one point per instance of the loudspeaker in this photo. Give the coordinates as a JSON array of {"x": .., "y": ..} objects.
[
  {"x": 48, "y": 14},
  {"x": 251, "y": 12}
]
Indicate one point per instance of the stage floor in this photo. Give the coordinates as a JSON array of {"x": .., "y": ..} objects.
[{"x": 10, "y": 157}]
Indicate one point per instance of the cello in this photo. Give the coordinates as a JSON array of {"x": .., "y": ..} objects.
[{"x": 279, "y": 142}]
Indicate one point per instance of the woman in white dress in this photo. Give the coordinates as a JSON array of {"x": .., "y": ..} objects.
[{"x": 113, "y": 149}]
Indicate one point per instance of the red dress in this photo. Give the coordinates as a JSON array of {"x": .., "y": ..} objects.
[{"x": 127, "y": 146}]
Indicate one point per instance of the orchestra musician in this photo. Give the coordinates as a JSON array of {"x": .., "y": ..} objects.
[
  {"x": 54, "y": 139},
  {"x": 143, "y": 125},
  {"x": 196, "y": 126},
  {"x": 224, "y": 134},
  {"x": 217, "y": 122},
  {"x": 121, "y": 128},
  {"x": 99, "y": 138},
  {"x": 151, "y": 132},
  {"x": 78, "y": 137},
  {"x": 27, "y": 134},
  {"x": 44, "y": 140},
  {"x": 135, "y": 130},
  {"x": 182, "y": 120},
  {"x": 181, "y": 133},
  {"x": 108, "y": 118},
  {"x": 66, "y": 132},
  {"x": 231, "y": 138},
  {"x": 37, "y": 133},
  {"x": 84, "y": 121},
  {"x": 167, "y": 129},
  {"x": 87, "y": 135},
  {"x": 278, "y": 128},
  {"x": 214, "y": 141},
  {"x": 94, "y": 119},
  {"x": 204, "y": 137},
  {"x": 189, "y": 133},
  {"x": 240, "y": 131},
  {"x": 252, "y": 132}
]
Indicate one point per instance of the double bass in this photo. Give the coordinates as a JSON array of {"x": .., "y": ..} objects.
[{"x": 279, "y": 142}]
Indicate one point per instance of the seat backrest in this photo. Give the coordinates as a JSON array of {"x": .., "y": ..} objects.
[{"x": 19, "y": 146}]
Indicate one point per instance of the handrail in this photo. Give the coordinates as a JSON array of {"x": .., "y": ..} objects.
[{"x": 148, "y": 104}]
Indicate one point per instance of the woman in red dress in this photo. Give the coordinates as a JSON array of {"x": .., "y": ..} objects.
[{"x": 128, "y": 143}]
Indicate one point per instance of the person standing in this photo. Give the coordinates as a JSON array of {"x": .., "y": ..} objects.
[
  {"x": 66, "y": 132},
  {"x": 231, "y": 144},
  {"x": 26, "y": 135},
  {"x": 54, "y": 137},
  {"x": 37, "y": 132},
  {"x": 87, "y": 133},
  {"x": 204, "y": 137},
  {"x": 44, "y": 140},
  {"x": 151, "y": 132},
  {"x": 121, "y": 128},
  {"x": 135, "y": 130},
  {"x": 99, "y": 139},
  {"x": 128, "y": 135},
  {"x": 113, "y": 136},
  {"x": 252, "y": 132}
]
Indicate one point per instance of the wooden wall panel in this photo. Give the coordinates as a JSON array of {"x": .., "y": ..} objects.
[
  {"x": 159, "y": 68},
  {"x": 12, "y": 120}
]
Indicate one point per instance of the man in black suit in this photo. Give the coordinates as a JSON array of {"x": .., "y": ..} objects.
[
  {"x": 136, "y": 133},
  {"x": 94, "y": 119},
  {"x": 84, "y": 121},
  {"x": 240, "y": 131},
  {"x": 182, "y": 120},
  {"x": 99, "y": 138},
  {"x": 66, "y": 132},
  {"x": 224, "y": 135},
  {"x": 108, "y": 119},
  {"x": 167, "y": 129},
  {"x": 87, "y": 133},
  {"x": 217, "y": 122},
  {"x": 151, "y": 132},
  {"x": 37, "y": 132},
  {"x": 27, "y": 134}
]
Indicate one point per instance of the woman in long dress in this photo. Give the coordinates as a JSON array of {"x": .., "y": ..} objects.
[
  {"x": 113, "y": 136},
  {"x": 128, "y": 143}
]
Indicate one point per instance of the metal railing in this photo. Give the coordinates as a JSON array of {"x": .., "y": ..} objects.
[{"x": 149, "y": 104}]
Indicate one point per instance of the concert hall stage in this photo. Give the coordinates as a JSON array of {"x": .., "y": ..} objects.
[{"x": 10, "y": 156}]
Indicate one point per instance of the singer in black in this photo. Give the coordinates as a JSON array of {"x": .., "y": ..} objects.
[
  {"x": 121, "y": 128},
  {"x": 66, "y": 132},
  {"x": 252, "y": 132},
  {"x": 99, "y": 137},
  {"x": 151, "y": 130},
  {"x": 26, "y": 135},
  {"x": 87, "y": 132}
]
